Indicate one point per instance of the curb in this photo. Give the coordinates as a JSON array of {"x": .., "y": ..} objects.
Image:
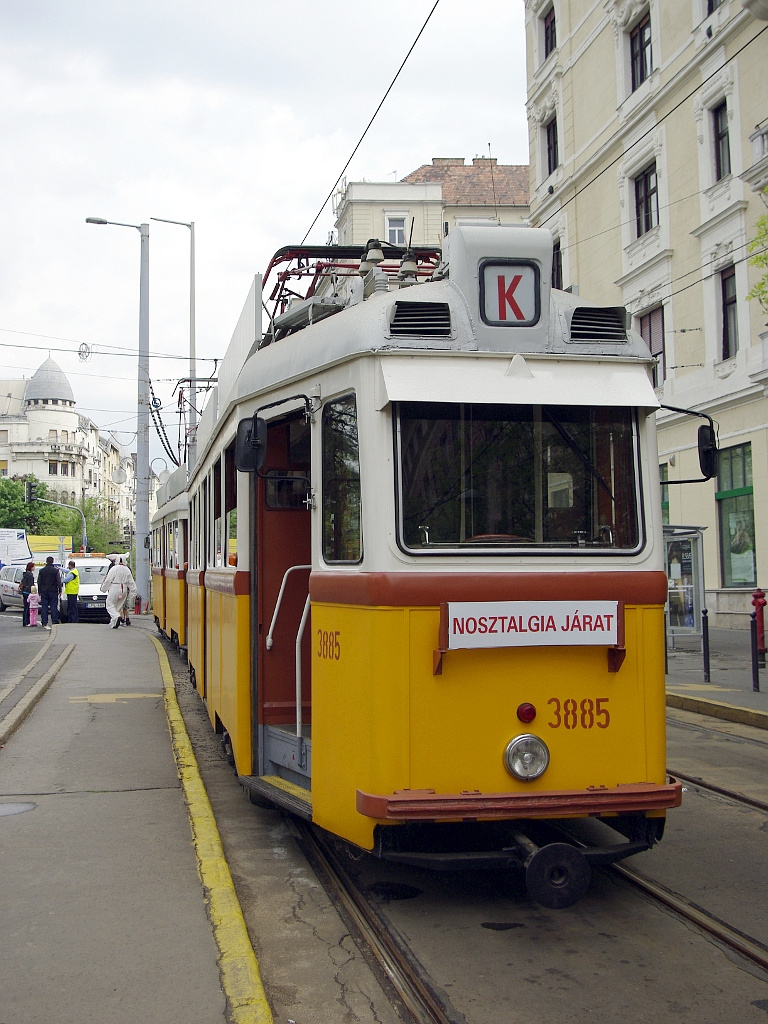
[
  {"x": 240, "y": 976},
  {"x": 16, "y": 716},
  {"x": 714, "y": 709}
]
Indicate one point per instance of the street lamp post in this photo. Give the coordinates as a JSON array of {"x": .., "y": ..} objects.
[
  {"x": 142, "y": 414},
  {"x": 191, "y": 452}
]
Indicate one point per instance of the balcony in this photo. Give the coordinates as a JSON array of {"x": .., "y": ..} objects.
[
  {"x": 756, "y": 176},
  {"x": 757, "y": 8}
]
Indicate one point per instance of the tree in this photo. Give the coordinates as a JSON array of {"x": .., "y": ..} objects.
[
  {"x": 13, "y": 510},
  {"x": 759, "y": 246}
]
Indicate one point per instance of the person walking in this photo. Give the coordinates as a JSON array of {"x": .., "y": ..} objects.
[
  {"x": 33, "y": 603},
  {"x": 27, "y": 582},
  {"x": 71, "y": 580},
  {"x": 49, "y": 588},
  {"x": 118, "y": 585}
]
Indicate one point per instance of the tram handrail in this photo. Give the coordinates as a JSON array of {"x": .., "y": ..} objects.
[
  {"x": 286, "y": 574},
  {"x": 299, "y": 637}
]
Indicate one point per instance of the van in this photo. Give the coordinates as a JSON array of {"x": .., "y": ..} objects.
[{"x": 91, "y": 602}]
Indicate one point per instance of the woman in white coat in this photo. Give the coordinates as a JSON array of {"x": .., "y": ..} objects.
[{"x": 118, "y": 585}]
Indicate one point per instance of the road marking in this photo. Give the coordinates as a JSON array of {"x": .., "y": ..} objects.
[
  {"x": 111, "y": 698},
  {"x": 239, "y": 968}
]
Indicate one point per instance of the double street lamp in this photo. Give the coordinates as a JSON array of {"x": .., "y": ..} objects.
[{"x": 142, "y": 414}]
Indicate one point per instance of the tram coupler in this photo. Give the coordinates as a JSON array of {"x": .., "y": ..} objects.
[{"x": 557, "y": 875}]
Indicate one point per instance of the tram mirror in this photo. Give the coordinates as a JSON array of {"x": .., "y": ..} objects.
[
  {"x": 251, "y": 444},
  {"x": 707, "y": 451}
]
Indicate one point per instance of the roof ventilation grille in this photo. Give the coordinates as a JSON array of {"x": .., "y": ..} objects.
[
  {"x": 599, "y": 323},
  {"x": 421, "y": 319}
]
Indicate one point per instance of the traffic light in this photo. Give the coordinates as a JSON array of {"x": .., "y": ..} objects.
[{"x": 32, "y": 486}]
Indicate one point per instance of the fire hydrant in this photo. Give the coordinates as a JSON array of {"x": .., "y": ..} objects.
[{"x": 758, "y": 603}]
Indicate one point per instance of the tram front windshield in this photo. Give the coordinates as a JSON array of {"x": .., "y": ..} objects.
[{"x": 474, "y": 476}]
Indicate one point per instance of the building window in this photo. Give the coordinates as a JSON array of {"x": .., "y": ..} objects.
[
  {"x": 730, "y": 324},
  {"x": 557, "y": 265},
  {"x": 53, "y": 469},
  {"x": 664, "y": 477},
  {"x": 396, "y": 230},
  {"x": 640, "y": 52},
  {"x": 712, "y": 6},
  {"x": 735, "y": 510},
  {"x": 3, "y": 437},
  {"x": 65, "y": 469},
  {"x": 646, "y": 200},
  {"x": 652, "y": 330},
  {"x": 552, "y": 154},
  {"x": 722, "y": 147},
  {"x": 550, "y": 32}
]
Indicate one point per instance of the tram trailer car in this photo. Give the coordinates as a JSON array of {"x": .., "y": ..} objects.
[
  {"x": 168, "y": 558},
  {"x": 443, "y": 637}
]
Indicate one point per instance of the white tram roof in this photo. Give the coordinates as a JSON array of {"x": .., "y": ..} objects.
[{"x": 491, "y": 296}]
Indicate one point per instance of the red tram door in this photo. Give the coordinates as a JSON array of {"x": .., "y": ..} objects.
[{"x": 283, "y": 555}]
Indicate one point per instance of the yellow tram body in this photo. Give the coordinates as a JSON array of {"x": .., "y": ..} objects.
[{"x": 417, "y": 567}]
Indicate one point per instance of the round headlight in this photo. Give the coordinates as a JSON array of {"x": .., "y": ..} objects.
[{"x": 526, "y": 757}]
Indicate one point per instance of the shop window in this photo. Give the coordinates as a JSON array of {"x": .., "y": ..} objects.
[{"x": 736, "y": 518}]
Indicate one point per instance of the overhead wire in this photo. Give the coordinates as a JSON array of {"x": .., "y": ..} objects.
[{"x": 373, "y": 118}]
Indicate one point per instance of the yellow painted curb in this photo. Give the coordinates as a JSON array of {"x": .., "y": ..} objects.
[
  {"x": 239, "y": 968},
  {"x": 715, "y": 709}
]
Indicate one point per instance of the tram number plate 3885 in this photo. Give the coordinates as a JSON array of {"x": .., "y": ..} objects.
[{"x": 571, "y": 713}]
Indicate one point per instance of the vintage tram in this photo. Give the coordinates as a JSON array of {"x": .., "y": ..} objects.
[{"x": 424, "y": 588}]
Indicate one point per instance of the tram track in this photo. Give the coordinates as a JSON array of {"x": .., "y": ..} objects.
[
  {"x": 751, "y": 949},
  {"x": 406, "y": 976},
  {"x": 740, "y": 798}
]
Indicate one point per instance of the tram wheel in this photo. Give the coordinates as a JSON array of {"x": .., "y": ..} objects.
[{"x": 557, "y": 876}]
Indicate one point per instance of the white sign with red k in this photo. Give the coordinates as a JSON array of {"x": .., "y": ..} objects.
[
  {"x": 509, "y": 293},
  {"x": 532, "y": 623}
]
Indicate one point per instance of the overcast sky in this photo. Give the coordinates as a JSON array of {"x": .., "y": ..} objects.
[{"x": 237, "y": 115}]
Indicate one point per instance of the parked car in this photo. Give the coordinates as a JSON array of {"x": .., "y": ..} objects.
[
  {"x": 10, "y": 578},
  {"x": 91, "y": 603}
]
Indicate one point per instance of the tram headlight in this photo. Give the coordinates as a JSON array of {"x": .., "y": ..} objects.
[{"x": 526, "y": 757}]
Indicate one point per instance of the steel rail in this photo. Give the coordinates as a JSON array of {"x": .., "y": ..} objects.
[
  {"x": 745, "y": 945},
  {"x": 411, "y": 986},
  {"x": 740, "y": 798}
]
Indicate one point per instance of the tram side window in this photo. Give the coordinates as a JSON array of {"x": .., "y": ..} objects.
[
  {"x": 230, "y": 505},
  {"x": 517, "y": 476},
  {"x": 342, "y": 524}
]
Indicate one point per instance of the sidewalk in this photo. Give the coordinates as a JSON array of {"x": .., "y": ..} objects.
[
  {"x": 103, "y": 914},
  {"x": 729, "y": 693}
]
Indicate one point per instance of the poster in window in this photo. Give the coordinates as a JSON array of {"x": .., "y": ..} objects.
[{"x": 742, "y": 548}]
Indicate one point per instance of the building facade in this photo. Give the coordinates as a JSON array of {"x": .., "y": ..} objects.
[
  {"x": 425, "y": 205},
  {"x": 43, "y": 435},
  {"x": 648, "y": 131}
]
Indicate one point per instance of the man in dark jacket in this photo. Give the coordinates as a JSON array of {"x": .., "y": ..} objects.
[{"x": 49, "y": 588}]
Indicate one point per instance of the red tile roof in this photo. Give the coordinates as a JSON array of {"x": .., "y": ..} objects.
[{"x": 475, "y": 184}]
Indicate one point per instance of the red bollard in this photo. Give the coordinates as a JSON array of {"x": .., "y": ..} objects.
[{"x": 758, "y": 603}]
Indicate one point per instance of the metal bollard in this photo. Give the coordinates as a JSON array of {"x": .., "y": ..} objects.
[
  {"x": 705, "y": 642},
  {"x": 758, "y": 603},
  {"x": 755, "y": 656}
]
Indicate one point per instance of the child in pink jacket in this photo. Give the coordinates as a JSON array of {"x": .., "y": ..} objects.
[{"x": 33, "y": 601}]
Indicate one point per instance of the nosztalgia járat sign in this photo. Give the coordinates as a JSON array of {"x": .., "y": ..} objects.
[{"x": 532, "y": 623}]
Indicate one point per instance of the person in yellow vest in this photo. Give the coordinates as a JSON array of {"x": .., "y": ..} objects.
[{"x": 71, "y": 580}]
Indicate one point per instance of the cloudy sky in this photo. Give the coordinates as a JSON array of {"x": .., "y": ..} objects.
[{"x": 237, "y": 115}]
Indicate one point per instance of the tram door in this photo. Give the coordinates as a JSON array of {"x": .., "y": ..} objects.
[{"x": 283, "y": 552}]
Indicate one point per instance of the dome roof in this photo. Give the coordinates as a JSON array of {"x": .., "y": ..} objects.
[{"x": 49, "y": 382}]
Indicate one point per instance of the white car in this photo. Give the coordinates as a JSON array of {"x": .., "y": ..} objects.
[
  {"x": 10, "y": 578},
  {"x": 91, "y": 602}
]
